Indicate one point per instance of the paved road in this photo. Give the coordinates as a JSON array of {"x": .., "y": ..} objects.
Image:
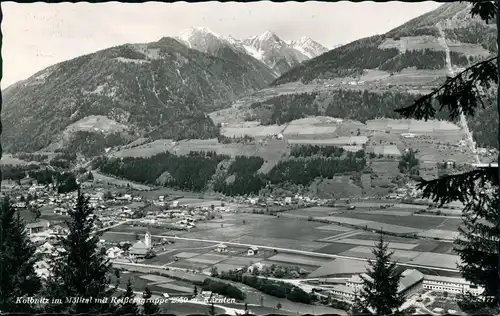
[{"x": 300, "y": 252}]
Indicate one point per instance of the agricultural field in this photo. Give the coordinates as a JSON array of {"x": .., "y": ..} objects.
[
  {"x": 340, "y": 267},
  {"x": 7, "y": 159},
  {"x": 302, "y": 129},
  {"x": 371, "y": 243},
  {"x": 419, "y": 222},
  {"x": 314, "y": 211},
  {"x": 441, "y": 234},
  {"x": 386, "y": 150},
  {"x": 371, "y": 224},
  {"x": 299, "y": 260},
  {"x": 342, "y": 140},
  {"x": 140, "y": 149},
  {"x": 436, "y": 260},
  {"x": 366, "y": 253},
  {"x": 99, "y": 177},
  {"x": 338, "y": 187}
]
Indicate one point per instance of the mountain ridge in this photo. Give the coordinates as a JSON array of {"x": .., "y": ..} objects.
[
  {"x": 269, "y": 48},
  {"x": 154, "y": 88}
]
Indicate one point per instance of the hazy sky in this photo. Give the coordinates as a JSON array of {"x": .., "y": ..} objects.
[{"x": 38, "y": 35}]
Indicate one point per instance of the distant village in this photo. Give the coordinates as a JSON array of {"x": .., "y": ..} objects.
[{"x": 113, "y": 207}]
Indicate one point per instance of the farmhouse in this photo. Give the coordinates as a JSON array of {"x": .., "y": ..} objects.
[
  {"x": 252, "y": 251},
  {"x": 448, "y": 284},
  {"x": 114, "y": 252},
  {"x": 221, "y": 248},
  {"x": 40, "y": 226}
]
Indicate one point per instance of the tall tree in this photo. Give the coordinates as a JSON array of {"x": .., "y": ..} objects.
[
  {"x": 128, "y": 306},
  {"x": 479, "y": 244},
  {"x": 357, "y": 307},
  {"x": 149, "y": 306},
  {"x": 380, "y": 286},
  {"x": 17, "y": 257},
  {"x": 81, "y": 269}
]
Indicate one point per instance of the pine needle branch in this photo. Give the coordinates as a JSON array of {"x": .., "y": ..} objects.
[
  {"x": 460, "y": 94},
  {"x": 459, "y": 187},
  {"x": 485, "y": 9}
]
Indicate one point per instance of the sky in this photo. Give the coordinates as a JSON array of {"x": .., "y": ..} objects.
[{"x": 37, "y": 35}]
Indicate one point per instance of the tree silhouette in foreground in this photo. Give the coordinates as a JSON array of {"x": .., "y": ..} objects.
[
  {"x": 478, "y": 245},
  {"x": 81, "y": 269},
  {"x": 149, "y": 307},
  {"x": 380, "y": 286},
  {"x": 128, "y": 306},
  {"x": 17, "y": 258}
]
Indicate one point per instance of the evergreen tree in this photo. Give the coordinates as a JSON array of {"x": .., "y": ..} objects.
[
  {"x": 357, "y": 307},
  {"x": 195, "y": 292},
  {"x": 478, "y": 245},
  {"x": 380, "y": 286},
  {"x": 17, "y": 258},
  {"x": 80, "y": 269},
  {"x": 128, "y": 306},
  {"x": 150, "y": 308},
  {"x": 211, "y": 307}
]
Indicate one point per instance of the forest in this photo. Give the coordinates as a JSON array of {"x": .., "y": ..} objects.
[
  {"x": 312, "y": 150},
  {"x": 63, "y": 181},
  {"x": 347, "y": 104},
  {"x": 195, "y": 171},
  {"x": 93, "y": 144},
  {"x": 190, "y": 172}
]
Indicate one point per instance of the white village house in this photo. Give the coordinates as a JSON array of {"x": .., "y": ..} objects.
[{"x": 252, "y": 251}]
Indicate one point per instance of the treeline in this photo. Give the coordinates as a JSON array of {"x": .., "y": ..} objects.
[
  {"x": 63, "y": 181},
  {"x": 348, "y": 104},
  {"x": 16, "y": 172},
  {"x": 311, "y": 150},
  {"x": 222, "y": 288},
  {"x": 409, "y": 163},
  {"x": 274, "y": 288},
  {"x": 195, "y": 171},
  {"x": 470, "y": 33},
  {"x": 246, "y": 180},
  {"x": 304, "y": 171},
  {"x": 92, "y": 143},
  {"x": 193, "y": 126},
  {"x": 235, "y": 140},
  {"x": 421, "y": 59},
  {"x": 31, "y": 157},
  {"x": 397, "y": 33},
  {"x": 190, "y": 172}
]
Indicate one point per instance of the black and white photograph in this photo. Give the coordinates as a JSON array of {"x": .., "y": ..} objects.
[{"x": 253, "y": 158}]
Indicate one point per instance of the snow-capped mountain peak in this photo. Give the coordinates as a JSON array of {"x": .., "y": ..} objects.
[
  {"x": 200, "y": 38},
  {"x": 269, "y": 48},
  {"x": 308, "y": 47},
  {"x": 268, "y": 35},
  {"x": 197, "y": 30}
]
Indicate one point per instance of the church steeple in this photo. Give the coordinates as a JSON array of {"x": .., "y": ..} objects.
[{"x": 147, "y": 239}]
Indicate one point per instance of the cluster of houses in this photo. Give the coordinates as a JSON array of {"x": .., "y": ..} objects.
[
  {"x": 412, "y": 282},
  {"x": 277, "y": 200}
]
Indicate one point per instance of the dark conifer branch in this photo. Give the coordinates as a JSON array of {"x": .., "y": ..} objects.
[
  {"x": 458, "y": 187},
  {"x": 485, "y": 9},
  {"x": 458, "y": 94}
]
